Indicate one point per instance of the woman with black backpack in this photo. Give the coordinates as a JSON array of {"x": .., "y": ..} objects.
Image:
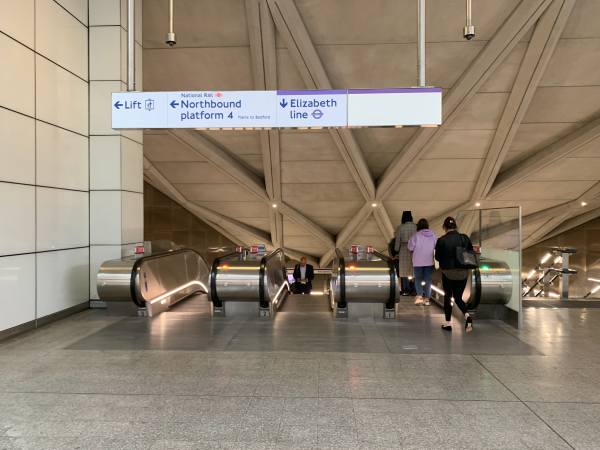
[{"x": 454, "y": 274}]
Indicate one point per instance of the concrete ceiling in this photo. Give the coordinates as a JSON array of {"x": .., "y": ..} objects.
[{"x": 520, "y": 101}]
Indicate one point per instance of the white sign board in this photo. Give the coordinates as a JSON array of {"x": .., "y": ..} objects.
[
  {"x": 277, "y": 109},
  {"x": 394, "y": 106},
  {"x": 221, "y": 109},
  {"x": 139, "y": 110},
  {"x": 298, "y": 109}
]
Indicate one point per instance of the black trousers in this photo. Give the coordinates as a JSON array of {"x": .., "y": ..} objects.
[
  {"x": 453, "y": 289},
  {"x": 300, "y": 288}
]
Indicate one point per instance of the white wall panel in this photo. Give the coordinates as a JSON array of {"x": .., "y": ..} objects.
[
  {"x": 79, "y": 8},
  {"x": 105, "y": 217},
  {"x": 105, "y": 162},
  {"x": 100, "y": 114},
  {"x": 105, "y": 53},
  {"x": 62, "y": 280},
  {"x": 62, "y": 158},
  {"x": 133, "y": 217},
  {"x": 132, "y": 166},
  {"x": 17, "y": 147},
  {"x": 61, "y": 37},
  {"x": 17, "y": 21},
  {"x": 17, "y": 227},
  {"x": 62, "y": 219},
  {"x": 17, "y": 80},
  {"x": 17, "y": 285},
  {"x": 105, "y": 12},
  {"x": 62, "y": 98}
]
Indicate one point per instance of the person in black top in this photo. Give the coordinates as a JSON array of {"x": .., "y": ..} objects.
[
  {"x": 454, "y": 277},
  {"x": 303, "y": 276}
]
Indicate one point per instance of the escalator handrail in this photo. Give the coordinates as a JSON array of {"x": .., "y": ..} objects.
[
  {"x": 263, "y": 267},
  {"x": 392, "y": 268},
  {"x": 214, "y": 297},
  {"x": 138, "y": 262},
  {"x": 342, "y": 275}
]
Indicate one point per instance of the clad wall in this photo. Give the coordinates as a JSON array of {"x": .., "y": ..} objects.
[
  {"x": 44, "y": 230},
  {"x": 71, "y": 188}
]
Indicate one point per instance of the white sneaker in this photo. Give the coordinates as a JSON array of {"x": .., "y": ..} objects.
[
  {"x": 426, "y": 301},
  {"x": 419, "y": 300}
]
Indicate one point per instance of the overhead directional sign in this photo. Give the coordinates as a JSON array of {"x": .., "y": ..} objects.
[
  {"x": 326, "y": 108},
  {"x": 394, "y": 107},
  {"x": 277, "y": 109},
  {"x": 221, "y": 109}
]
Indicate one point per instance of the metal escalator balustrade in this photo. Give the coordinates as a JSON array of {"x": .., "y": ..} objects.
[
  {"x": 154, "y": 282},
  {"x": 249, "y": 283},
  {"x": 363, "y": 278}
]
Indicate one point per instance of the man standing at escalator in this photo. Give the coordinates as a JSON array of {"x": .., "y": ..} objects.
[{"x": 303, "y": 276}]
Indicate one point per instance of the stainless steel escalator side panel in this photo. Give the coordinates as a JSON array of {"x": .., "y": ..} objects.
[
  {"x": 162, "y": 280},
  {"x": 237, "y": 279},
  {"x": 155, "y": 282},
  {"x": 249, "y": 278},
  {"x": 114, "y": 279}
]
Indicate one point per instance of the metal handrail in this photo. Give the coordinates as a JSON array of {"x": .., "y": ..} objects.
[
  {"x": 261, "y": 281},
  {"x": 214, "y": 298},
  {"x": 135, "y": 295}
]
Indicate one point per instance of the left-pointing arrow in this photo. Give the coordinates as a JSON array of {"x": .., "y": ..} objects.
[
  {"x": 174, "y": 104},
  {"x": 118, "y": 105}
]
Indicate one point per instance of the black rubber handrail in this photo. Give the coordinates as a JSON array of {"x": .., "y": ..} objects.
[
  {"x": 264, "y": 303},
  {"x": 392, "y": 300},
  {"x": 342, "y": 268},
  {"x": 138, "y": 262},
  {"x": 214, "y": 297}
]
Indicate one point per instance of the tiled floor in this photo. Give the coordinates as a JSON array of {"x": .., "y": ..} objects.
[{"x": 102, "y": 380}]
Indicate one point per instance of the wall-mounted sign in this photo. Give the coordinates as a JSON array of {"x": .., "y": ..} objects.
[{"x": 277, "y": 109}]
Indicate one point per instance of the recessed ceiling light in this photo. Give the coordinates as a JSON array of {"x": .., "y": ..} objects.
[
  {"x": 374, "y": 205},
  {"x": 583, "y": 203},
  {"x": 274, "y": 205},
  {"x": 477, "y": 205}
]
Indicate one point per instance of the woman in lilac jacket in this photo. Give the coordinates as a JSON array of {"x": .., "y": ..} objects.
[{"x": 422, "y": 246}]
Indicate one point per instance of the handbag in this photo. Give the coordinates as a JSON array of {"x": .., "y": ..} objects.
[{"x": 466, "y": 257}]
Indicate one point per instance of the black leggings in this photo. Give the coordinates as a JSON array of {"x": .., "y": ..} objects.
[{"x": 453, "y": 288}]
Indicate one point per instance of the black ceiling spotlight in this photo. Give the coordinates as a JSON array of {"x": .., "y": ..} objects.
[
  {"x": 469, "y": 30},
  {"x": 171, "y": 40}
]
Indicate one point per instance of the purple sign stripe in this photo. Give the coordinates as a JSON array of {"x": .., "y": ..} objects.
[
  {"x": 315, "y": 92},
  {"x": 416, "y": 90}
]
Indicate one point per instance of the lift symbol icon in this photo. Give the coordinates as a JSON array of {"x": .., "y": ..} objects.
[{"x": 149, "y": 104}]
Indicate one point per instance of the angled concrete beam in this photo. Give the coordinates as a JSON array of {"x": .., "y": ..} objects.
[
  {"x": 229, "y": 227},
  {"x": 544, "y": 230},
  {"x": 347, "y": 233},
  {"x": 383, "y": 223},
  {"x": 222, "y": 159},
  {"x": 306, "y": 59},
  {"x": 525, "y": 14},
  {"x": 261, "y": 30},
  {"x": 295, "y": 254},
  {"x": 541, "y": 47},
  {"x": 296, "y": 216},
  {"x": 546, "y": 157},
  {"x": 574, "y": 222},
  {"x": 559, "y": 214}
]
